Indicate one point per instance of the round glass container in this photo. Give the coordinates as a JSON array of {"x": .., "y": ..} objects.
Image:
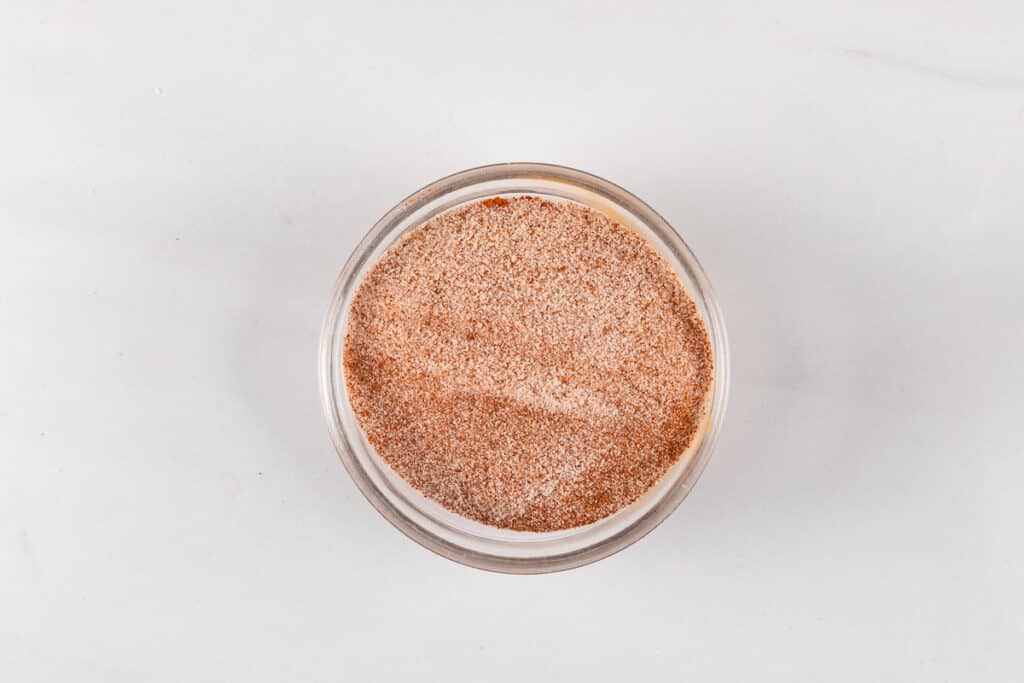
[{"x": 426, "y": 521}]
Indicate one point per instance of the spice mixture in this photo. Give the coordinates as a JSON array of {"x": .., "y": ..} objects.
[{"x": 526, "y": 363}]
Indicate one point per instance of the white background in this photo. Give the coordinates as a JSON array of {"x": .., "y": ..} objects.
[{"x": 181, "y": 182}]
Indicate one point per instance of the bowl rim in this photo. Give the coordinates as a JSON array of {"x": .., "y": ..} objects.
[{"x": 330, "y": 367}]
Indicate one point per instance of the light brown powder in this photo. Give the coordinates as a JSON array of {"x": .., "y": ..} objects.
[{"x": 529, "y": 364}]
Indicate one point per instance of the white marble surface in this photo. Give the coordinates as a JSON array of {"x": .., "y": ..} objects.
[{"x": 181, "y": 182}]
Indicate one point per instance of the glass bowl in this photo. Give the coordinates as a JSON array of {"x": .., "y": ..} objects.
[{"x": 426, "y": 521}]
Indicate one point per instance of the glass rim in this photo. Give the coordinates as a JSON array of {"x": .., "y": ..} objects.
[{"x": 410, "y": 516}]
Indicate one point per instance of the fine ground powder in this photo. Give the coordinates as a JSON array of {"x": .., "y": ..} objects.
[{"x": 526, "y": 363}]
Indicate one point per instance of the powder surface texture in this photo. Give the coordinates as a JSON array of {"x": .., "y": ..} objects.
[{"x": 529, "y": 364}]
